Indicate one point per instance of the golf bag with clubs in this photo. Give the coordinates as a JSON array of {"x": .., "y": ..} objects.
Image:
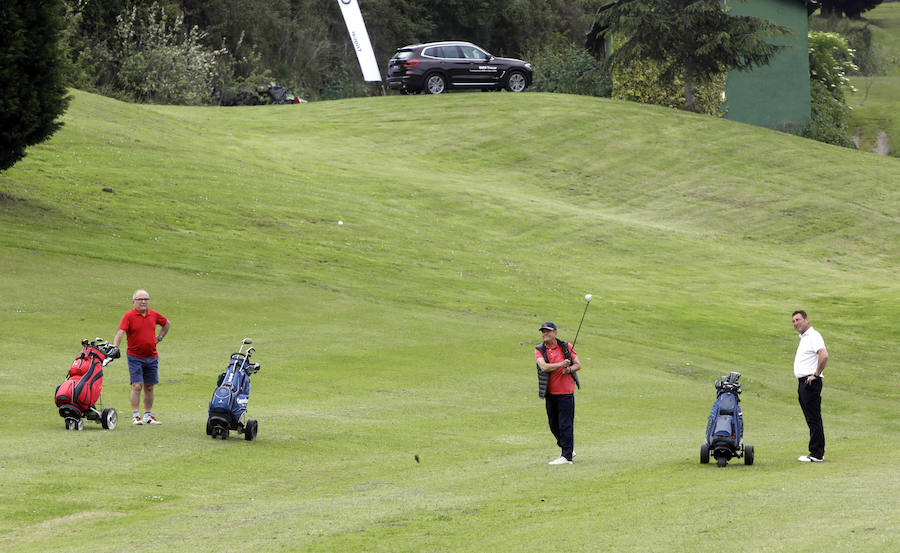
[
  {"x": 228, "y": 406},
  {"x": 725, "y": 428},
  {"x": 78, "y": 397}
]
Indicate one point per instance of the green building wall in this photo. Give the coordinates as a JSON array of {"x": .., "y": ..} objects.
[{"x": 776, "y": 95}]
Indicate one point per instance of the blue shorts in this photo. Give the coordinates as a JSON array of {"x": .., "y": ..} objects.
[{"x": 143, "y": 370}]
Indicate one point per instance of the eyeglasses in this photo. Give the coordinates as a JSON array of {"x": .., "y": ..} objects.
[{"x": 141, "y": 299}]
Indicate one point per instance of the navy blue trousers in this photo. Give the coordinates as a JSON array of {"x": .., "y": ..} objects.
[
  {"x": 810, "y": 397},
  {"x": 561, "y": 416}
]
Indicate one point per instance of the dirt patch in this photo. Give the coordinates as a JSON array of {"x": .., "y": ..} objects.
[
  {"x": 882, "y": 144},
  {"x": 6, "y": 199}
]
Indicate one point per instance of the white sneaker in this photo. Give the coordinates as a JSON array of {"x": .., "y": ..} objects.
[
  {"x": 150, "y": 419},
  {"x": 137, "y": 421},
  {"x": 810, "y": 459},
  {"x": 561, "y": 461}
]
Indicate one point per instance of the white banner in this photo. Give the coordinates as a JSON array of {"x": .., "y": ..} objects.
[{"x": 359, "y": 37}]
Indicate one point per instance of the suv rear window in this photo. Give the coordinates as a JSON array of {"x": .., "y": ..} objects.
[{"x": 402, "y": 55}]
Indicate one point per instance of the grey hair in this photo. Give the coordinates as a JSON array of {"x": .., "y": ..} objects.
[{"x": 133, "y": 296}]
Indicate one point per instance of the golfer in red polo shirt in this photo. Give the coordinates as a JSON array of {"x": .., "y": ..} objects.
[
  {"x": 557, "y": 382},
  {"x": 139, "y": 325}
]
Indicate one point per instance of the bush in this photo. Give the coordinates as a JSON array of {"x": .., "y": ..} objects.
[
  {"x": 859, "y": 39},
  {"x": 565, "y": 68},
  {"x": 828, "y": 121},
  {"x": 159, "y": 62},
  {"x": 830, "y": 58},
  {"x": 149, "y": 57},
  {"x": 642, "y": 82}
]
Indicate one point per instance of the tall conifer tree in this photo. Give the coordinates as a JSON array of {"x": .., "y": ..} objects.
[{"x": 32, "y": 92}]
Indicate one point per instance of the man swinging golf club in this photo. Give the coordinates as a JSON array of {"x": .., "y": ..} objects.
[{"x": 557, "y": 365}]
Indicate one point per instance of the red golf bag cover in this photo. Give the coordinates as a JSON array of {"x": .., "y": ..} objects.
[{"x": 82, "y": 387}]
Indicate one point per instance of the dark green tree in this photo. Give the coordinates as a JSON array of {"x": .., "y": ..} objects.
[
  {"x": 32, "y": 93},
  {"x": 695, "y": 39},
  {"x": 852, "y": 9}
]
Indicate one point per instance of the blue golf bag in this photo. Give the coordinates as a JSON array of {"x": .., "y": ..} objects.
[
  {"x": 228, "y": 406},
  {"x": 725, "y": 428}
]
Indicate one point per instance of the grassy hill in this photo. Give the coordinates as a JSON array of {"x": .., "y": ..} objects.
[{"x": 408, "y": 331}]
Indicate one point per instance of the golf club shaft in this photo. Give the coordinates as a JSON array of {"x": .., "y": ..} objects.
[{"x": 579, "y": 324}]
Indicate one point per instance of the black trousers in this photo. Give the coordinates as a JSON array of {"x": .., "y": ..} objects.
[
  {"x": 810, "y": 397},
  {"x": 561, "y": 416}
]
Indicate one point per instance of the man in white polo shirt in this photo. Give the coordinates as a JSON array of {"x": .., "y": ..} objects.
[{"x": 809, "y": 363}]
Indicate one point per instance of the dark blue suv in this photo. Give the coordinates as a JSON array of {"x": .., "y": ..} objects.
[{"x": 437, "y": 67}]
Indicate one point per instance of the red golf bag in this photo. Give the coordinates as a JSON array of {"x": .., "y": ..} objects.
[{"x": 85, "y": 380}]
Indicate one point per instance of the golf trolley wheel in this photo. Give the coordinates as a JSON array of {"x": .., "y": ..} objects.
[
  {"x": 250, "y": 430},
  {"x": 109, "y": 419},
  {"x": 704, "y": 454},
  {"x": 208, "y": 427},
  {"x": 721, "y": 461},
  {"x": 748, "y": 455},
  {"x": 74, "y": 424}
]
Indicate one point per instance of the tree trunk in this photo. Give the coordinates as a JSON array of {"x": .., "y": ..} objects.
[{"x": 688, "y": 85}]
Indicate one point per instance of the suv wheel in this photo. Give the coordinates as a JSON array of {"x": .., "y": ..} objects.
[
  {"x": 435, "y": 83},
  {"x": 515, "y": 82}
]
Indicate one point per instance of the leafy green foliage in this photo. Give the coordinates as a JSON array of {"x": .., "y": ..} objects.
[
  {"x": 155, "y": 59},
  {"x": 830, "y": 59},
  {"x": 566, "y": 68},
  {"x": 694, "y": 39},
  {"x": 642, "y": 81},
  {"x": 303, "y": 44},
  {"x": 859, "y": 38},
  {"x": 32, "y": 91}
]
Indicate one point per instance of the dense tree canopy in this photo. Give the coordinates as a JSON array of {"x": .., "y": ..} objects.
[
  {"x": 32, "y": 93},
  {"x": 303, "y": 43},
  {"x": 849, "y": 8}
]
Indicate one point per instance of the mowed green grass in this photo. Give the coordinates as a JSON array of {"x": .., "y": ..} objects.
[{"x": 408, "y": 331}]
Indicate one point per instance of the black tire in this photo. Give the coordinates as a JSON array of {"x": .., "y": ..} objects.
[
  {"x": 250, "y": 430},
  {"x": 109, "y": 419},
  {"x": 516, "y": 82},
  {"x": 748, "y": 455},
  {"x": 721, "y": 461},
  {"x": 704, "y": 454},
  {"x": 208, "y": 427},
  {"x": 435, "y": 83}
]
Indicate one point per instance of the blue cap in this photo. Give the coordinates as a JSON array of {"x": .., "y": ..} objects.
[{"x": 549, "y": 326}]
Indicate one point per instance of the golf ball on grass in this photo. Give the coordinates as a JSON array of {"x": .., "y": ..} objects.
[
  {"x": 340, "y": 223},
  {"x": 588, "y": 297}
]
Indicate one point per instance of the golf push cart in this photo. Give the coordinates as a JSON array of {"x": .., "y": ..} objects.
[
  {"x": 725, "y": 429},
  {"x": 228, "y": 406},
  {"x": 78, "y": 398}
]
